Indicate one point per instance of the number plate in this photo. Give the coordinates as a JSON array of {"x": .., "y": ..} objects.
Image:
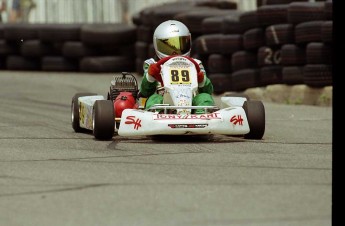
[{"x": 180, "y": 76}]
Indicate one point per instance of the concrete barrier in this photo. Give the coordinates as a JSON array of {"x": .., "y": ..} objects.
[{"x": 295, "y": 95}]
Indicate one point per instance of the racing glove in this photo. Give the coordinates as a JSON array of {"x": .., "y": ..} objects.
[
  {"x": 201, "y": 77},
  {"x": 154, "y": 69}
]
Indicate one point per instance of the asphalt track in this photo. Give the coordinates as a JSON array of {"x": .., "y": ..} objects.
[{"x": 50, "y": 175}]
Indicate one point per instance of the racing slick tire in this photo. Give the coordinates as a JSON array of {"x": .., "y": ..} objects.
[
  {"x": 75, "y": 110},
  {"x": 103, "y": 119},
  {"x": 255, "y": 112}
]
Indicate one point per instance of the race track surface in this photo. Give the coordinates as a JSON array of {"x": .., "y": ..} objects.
[{"x": 50, "y": 175}]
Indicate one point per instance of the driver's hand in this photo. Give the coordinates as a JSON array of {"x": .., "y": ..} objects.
[
  {"x": 155, "y": 71},
  {"x": 200, "y": 76},
  {"x": 155, "y": 68}
]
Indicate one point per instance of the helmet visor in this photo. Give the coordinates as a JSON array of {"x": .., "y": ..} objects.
[{"x": 174, "y": 45}]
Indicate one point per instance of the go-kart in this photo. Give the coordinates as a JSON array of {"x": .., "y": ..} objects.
[{"x": 123, "y": 112}]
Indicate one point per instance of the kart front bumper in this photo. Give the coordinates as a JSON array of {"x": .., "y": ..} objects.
[{"x": 227, "y": 121}]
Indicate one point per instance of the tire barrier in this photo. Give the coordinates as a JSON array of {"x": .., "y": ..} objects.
[
  {"x": 68, "y": 47},
  {"x": 243, "y": 59},
  {"x": 218, "y": 63},
  {"x": 281, "y": 42}
]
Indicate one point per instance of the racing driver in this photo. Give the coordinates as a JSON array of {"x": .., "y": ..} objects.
[{"x": 172, "y": 38}]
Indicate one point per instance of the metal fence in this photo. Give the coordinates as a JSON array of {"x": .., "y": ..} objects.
[{"x": 74, "y": 11}]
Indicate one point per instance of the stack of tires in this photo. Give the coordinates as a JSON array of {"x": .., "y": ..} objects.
[
  {"x": 191, "y": 13},
  {"x": 67, "y": 47},
  {"x": 282, "y": 42}
]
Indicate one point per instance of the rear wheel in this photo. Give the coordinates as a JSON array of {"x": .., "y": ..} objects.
[
  {"x": 75, "y": 110},
  {"x": 103, "y": 119},
  {"x": 255, "y": 112}
]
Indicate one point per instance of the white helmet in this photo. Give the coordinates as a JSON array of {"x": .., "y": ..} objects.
[{"x": 172, "y": 38}]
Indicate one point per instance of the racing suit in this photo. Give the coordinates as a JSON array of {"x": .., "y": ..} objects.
[{"x": 149, "y": 85}]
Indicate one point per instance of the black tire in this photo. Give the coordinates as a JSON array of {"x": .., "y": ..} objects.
[
  {"x": 58, "y": 63},
  {"x": 300, "y": 12},
  {"x": 212, "y": 25},
  {"x": 231, "y": 43},
  {"x": 243, "y": 59},
  {"x": 167, "y": 11},
  {"x": 103, "y": 120},
  {"x": 268, "y": 56},
  {"x": 20, "y": 63},
  {"x": 272, "y": 14},
  {"x": 209, "y": 44},
  {"x": 292, "y": 55},
  {"x": 111, "y": 64},
  {"x": 36, "y": 48},
  {"x": 56, "y": 32},
  {"x": 319, "y": 53},
  {"x": 141, "y": 50},
  {"x": 309, "y": 31},
  {"x": 248, "y": 20},
  {"x": 75, "y": 110},
  {"x": 144, "y": 33},
  {"x": 193, "y": 18},
  {"x": 254, "y": 38},
  {"x": 327, "y": 32},
  {"x": 255, "y": 112},
  {"x": 244, "y": 79},
  {"x": 292, "y": 75},
  {"x": 113, "y": 34},
  {"x": 279, "y": 34},
  {"x": 328, "y": 8},
  {"x": 318, "y": 75},
  {"x": 77, "y": 50},
  {"x": 17, "y": 32},
  {"x": 219, "y": 63},
  {"x": 270, "y": 75},
  {"x": 232, "y": 25},
  {"x": 221, "y": 82},
  {"x": 7, "y": 48}
]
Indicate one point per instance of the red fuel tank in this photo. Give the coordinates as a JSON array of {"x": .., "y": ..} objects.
[{"x": 123, "y": 101}]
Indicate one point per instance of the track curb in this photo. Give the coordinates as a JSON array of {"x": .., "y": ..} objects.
[{"x": 294, "y": 95}]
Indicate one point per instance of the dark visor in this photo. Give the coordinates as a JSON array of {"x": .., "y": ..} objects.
[{"x": 174, "y": 45}]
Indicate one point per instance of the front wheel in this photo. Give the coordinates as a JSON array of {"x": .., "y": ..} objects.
[
  {"x": 255, "y": 112},
  {"x": 75, "y": 110},
  {"x": 103, "y": 119}
]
